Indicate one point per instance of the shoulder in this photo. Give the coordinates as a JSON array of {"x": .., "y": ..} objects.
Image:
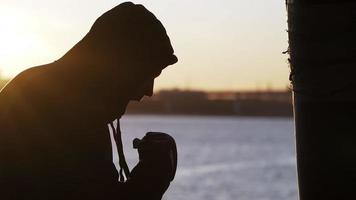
[
  {"x": 21, "y": 79},
  {"x": 28, "y": 76},
  {"x": 21, "y": 86}
]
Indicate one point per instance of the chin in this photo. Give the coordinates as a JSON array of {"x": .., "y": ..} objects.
[
  {"x": 136, "y": 98},
  {"x": 121, "y": 112},
  {"x": 121, "y": 109}
]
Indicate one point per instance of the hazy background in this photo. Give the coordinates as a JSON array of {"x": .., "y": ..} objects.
[{"x": 221, "y": 45}]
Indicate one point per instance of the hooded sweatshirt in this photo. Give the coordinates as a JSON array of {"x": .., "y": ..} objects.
[{"x": 54, "y": 138}]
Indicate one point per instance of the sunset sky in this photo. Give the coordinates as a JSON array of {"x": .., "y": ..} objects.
[{"x": 221, "y": 45}]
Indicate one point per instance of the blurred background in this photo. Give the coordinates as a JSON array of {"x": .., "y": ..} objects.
[{"x": 227, "y": 101}]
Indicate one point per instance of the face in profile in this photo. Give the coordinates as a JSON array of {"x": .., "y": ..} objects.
[{"x": 146, "y": 88}]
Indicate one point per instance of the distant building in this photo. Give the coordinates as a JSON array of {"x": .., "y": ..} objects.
[
  {"x": 252, "y": 103},
  {"x": 280, "y": 96}
]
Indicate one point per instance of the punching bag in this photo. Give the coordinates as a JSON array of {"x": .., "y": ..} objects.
[{"x": 322, "y": 48}]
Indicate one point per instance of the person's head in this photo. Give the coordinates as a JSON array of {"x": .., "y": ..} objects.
[{"x": 124, "y": 51}]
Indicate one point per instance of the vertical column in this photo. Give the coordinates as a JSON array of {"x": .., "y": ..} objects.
[{"x": 322, "y": 47}]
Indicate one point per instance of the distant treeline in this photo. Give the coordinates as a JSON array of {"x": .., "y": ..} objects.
[{"x": 252, "y": 103}]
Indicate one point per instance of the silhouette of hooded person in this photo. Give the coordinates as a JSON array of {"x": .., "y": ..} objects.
[{"x": 54, "y": 136}]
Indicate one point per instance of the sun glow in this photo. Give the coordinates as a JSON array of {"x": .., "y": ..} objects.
[{"x": 19, "y": 42}]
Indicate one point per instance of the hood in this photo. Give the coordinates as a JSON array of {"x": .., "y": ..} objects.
[
  {"x": 124, "y": 45},
  {"x": 126, "y": 33}
]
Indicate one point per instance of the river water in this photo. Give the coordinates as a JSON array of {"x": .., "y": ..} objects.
[{"x": 223, "y": 158}]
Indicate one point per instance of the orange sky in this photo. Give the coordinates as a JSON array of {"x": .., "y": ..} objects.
[{"x": 221, "y": 45}]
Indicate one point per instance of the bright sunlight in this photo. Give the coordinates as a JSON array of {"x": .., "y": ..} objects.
[{"x": 21, "y": 45}]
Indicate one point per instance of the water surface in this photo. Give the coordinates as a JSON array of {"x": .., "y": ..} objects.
[{"x": 224, "y": 158}]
